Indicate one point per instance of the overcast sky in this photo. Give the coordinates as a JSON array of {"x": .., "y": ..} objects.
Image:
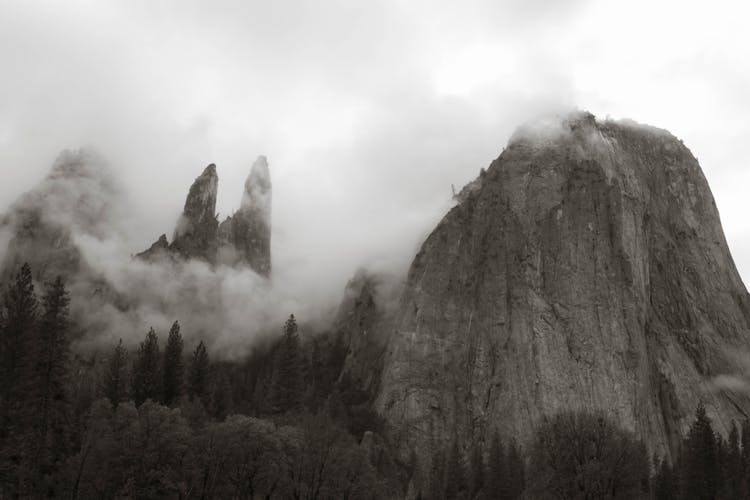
[{"x": 367, "y": 111}]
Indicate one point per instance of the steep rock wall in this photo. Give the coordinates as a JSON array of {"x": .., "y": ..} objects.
[{"x": 588, "y": 270}]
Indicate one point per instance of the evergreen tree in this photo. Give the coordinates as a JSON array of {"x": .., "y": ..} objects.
[
  {"x": 146, "y": 380},
  {"x": 115, "y": 380},
  {"x": 17, "y": 332},
  {"x": 19, "y": 323},
  {"x": 455, "y": 476},
  {"x": 221, "y": 398},
  {"x": 20, "y": 315},
  {"x": 198, "y": 374},
  {"x": 173, "y": 368},
  {"x": 287, "y": 393},
  {"x": 47, "y": 402},
  {"x": 317, "y": 372},
  {"x": 733, "y": 464},
  {"x": 496, "y": 482},
  {"x": 701, "y": 473},
  {"x": 585, "y": 455},
  {"x": 745, "y": 459}
]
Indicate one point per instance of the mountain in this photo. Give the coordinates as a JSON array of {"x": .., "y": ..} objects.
[
  {"x": 74, "y": 224},
  {"x": 248, "y": 231},
  {"x": 585, "y": 269},
  {"x": 196, "y": 234},
  {"x": 78, "y": 199},
  {"x": 242, "y": 239}
]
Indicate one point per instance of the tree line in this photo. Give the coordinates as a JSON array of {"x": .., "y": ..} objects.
[
  {"x": 286, "y": 422},
  {"x": 708, "y": 466},
  {"x": 577, "y": 455},
  {"x": 157, "y": 423}
]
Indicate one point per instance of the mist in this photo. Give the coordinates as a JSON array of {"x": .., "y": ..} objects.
[{"x": 367, "y": 113}]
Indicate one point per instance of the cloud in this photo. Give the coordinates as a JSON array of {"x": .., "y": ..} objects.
[
  {"x": 229, "y": 309},
  {"x": 368, "y": 112}
]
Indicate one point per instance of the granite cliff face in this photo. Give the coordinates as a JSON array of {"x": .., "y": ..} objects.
[
  {"x": 360, "y": 321},
  {"x": 242, "y": 239},
  {"x": 586, "y": 269}
]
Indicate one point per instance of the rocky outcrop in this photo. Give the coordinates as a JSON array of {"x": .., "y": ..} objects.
[
  {"x": 359, "y": 324},
  {"x": 196, "y": 234},
  {"x": 247, "y": 233},
  {"x": 158, "y": 250},
  {"x": 588, "y": 270},
  {"x": 242, "y": 239},
  {"x": 78, "y": 197}
]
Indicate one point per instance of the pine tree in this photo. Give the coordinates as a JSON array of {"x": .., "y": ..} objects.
[
  {"x": 734, "y": 472},
  {"x": 222, "y": 401},
  {"x": 47, "y": 403},
  {"x": 17, "y": 338},
  {"x": 455, "y": 475},
  {"x": 745, "y": 459},
  {"x": 20, "y": 307},
  {"x": 198, "y": 384},
  {"x": 115, "y": 381},
  {"x": 701, "y": 461},
  {"x": 173, "y": 368},
  {"x": 288, "y": 374},
  {"x": 496, "y": 482},
  {"x": 146, "y": 380},
  {"x": 317, "y": 377}
]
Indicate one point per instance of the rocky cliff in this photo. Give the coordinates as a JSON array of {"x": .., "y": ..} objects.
[
  {"x": 197, "y": 229},
  {"x": 242, "y": 239},
  {"x": 586, "y": 269},
  {"x": 247, "y": 233}
]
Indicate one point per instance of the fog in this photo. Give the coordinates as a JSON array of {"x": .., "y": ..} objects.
[{"x": 368, "y": 112}]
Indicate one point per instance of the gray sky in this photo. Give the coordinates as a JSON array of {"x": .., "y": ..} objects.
[{"x": 367, "y": 111}]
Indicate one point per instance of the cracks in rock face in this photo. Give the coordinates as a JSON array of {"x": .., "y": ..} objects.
[{"x": 571, "y": 281}]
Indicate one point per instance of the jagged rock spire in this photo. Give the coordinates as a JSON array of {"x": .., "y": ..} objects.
[
  {"x": 196, "y": 231},
  {"x": 242, "y": 239},
  {"x": 251, "y": 228}
]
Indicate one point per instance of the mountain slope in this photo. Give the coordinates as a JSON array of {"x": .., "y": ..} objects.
[{"x": 587, "y": 270}]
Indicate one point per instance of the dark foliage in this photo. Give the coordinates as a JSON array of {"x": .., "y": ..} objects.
[
  {"x": 287, "y": 386},
  {"x": 198, "y": 374},
  {"x": 19, "y": 321},
  {"x": 116, "y": 378},
  {"x": 46, "y": 408},
  {"x": 709, "y": 466},
  {"x": 173, "y": 367},
  {"x": 36, "y": 406},
  {"x": 147, "y": 371},
  {"x": 286, "y": 422},
  {"x": 578, "y": 455}
]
